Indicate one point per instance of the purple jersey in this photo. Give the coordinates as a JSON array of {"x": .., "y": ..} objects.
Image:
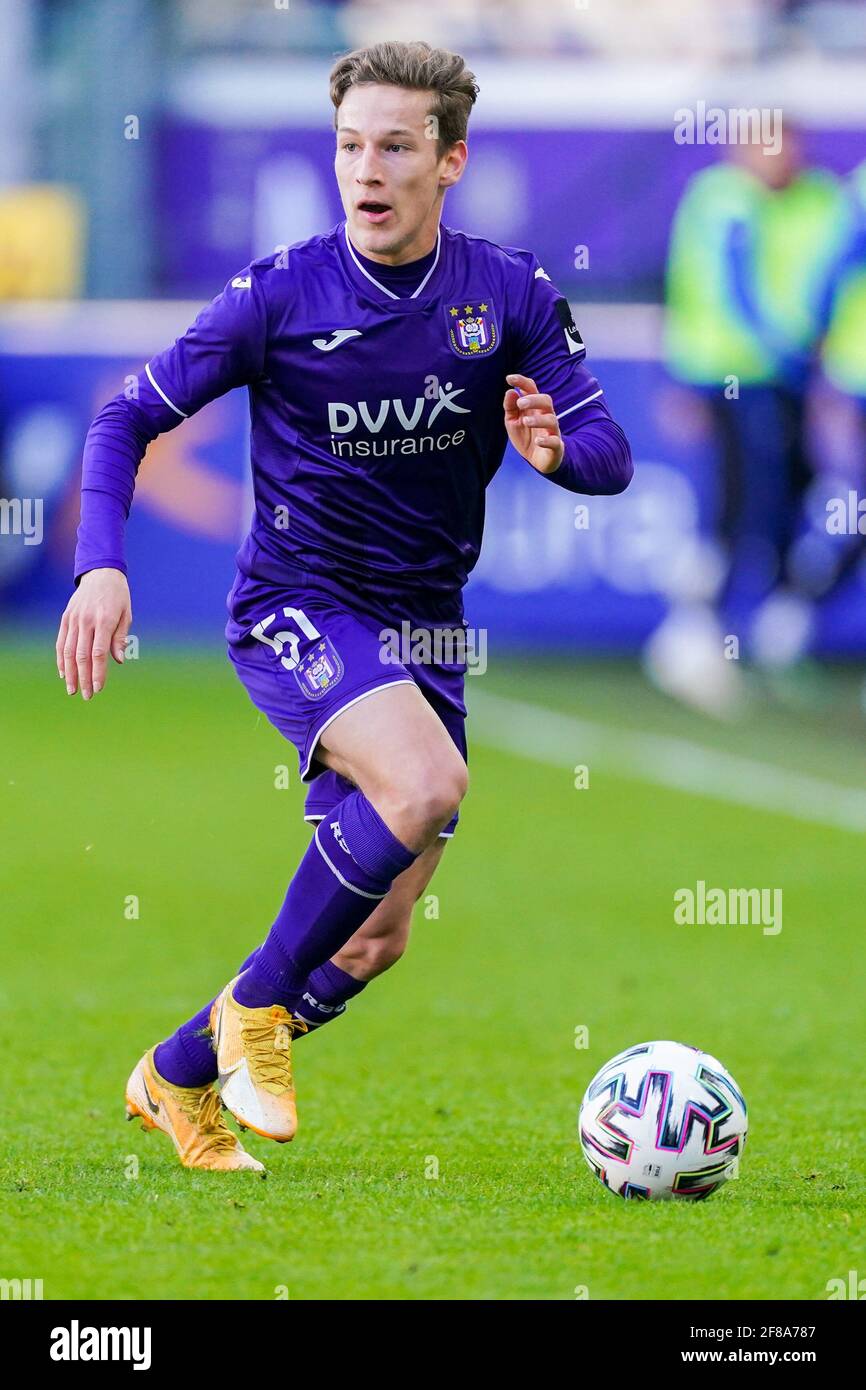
[{"x": 376, "y": 420}]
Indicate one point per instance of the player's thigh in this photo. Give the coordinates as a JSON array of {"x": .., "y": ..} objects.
[{"x": 395, "y": 747}]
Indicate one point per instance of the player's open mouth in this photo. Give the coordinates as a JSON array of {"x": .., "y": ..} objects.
[{"x": 373, "y": 211}]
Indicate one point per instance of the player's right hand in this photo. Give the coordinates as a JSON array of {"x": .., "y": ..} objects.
[{"x": 96, "y": 621}]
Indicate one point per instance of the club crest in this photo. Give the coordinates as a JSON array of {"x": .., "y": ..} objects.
[
  {"x": 318, "y": 671},
  {"x": 472, "y": 329}
]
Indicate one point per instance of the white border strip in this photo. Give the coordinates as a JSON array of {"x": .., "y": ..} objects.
[
  {"x": 443, "y": 834},
  {"x": 559, "y": 740},
  {"x": 384, "y": 288},
  {"x": 366, "y": 273},
  {"x": 160, "y": 392},
  {"x": 416, "y": 293},
  {"x": 594, "y": 397},
  {"x": 377, "y": 897},
  {"x": 404, "y": 680}
]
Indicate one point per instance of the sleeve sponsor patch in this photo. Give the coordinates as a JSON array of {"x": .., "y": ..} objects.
[{"x": 569, "y": 327}]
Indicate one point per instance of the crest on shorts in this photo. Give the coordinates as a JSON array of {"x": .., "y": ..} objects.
[
  {"x": 318, "y": 671},
  {"x": 472, "y": 329}
]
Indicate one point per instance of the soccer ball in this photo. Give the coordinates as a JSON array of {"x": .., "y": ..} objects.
[{"x": 663, "y": 1120}]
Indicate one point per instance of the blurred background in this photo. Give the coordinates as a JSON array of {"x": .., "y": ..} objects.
[{"x": 690, "y": 174}]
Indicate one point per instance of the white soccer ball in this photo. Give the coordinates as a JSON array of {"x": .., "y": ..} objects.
[{"x": 663, "y": 1120}]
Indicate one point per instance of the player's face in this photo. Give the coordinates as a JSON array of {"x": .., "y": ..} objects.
[{"x": 391, "y": 176}]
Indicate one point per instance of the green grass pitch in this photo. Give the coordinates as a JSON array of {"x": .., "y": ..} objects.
[{"x": 555, "y": 910}]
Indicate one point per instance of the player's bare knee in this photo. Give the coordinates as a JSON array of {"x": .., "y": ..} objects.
[
  {"x": 440, "y": 794},
  {"x": 453, "y": 786},
  {"x": 419, "y": 801}
]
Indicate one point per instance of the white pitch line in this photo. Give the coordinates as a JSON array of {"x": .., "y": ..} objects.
[{"x": 562, "y": 740}]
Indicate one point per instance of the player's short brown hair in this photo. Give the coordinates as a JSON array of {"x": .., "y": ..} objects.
[{"x": 421, "y": 68}]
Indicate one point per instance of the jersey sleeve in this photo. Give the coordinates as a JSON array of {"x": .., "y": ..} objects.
[
  {"x": 224, "y": 348},
  {"x": 548, "y": 347}
]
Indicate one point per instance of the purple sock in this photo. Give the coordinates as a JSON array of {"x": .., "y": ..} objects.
[
  {"x": 326, "y": 993},
  {"x": 187, "y": 1058},
  {"x": 271, "y": 973},
  {"x": 349, "y": 866}
]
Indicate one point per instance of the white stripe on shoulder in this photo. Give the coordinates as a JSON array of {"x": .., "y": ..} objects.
[
  {"x": 594, "y": 397},
  {"x": 160, "y": 392}
]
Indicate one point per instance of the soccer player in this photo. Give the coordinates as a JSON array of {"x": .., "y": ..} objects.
[{"x": 387, "y": 362}]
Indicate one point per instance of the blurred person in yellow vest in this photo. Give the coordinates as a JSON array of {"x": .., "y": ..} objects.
[
  {"x": 833, "y": 545},
  {"x": 753, "y": 239},
  {"x": 843, "y": 355},
  {"x": 41, "y": 242}
]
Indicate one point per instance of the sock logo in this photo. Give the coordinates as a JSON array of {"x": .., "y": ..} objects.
[
  {"x": 338, "y": 836},
  {"x": 324, "y": 1008}
]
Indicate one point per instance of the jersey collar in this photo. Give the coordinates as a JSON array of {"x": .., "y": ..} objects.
[{"x": 383, "y": 289}]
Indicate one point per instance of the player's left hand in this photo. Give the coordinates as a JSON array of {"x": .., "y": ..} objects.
[{"x": 532, "y": 424}]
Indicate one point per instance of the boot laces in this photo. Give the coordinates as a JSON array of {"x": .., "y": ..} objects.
[
  {"x": 268, "y": 1047},
  {"x": 204, "y": 1112}
]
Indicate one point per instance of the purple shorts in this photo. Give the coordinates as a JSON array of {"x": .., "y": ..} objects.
[{"x": 307, "y": 652}]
